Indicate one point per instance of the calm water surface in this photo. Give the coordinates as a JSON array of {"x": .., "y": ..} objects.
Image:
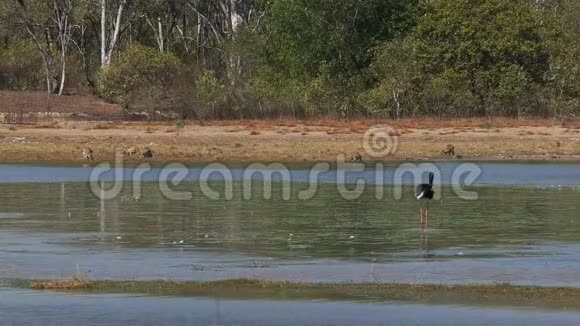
[
  {"x": 525, "y": 234},
  {"x": 34, "y": 308},
  {"x": 523, "y": 229}
]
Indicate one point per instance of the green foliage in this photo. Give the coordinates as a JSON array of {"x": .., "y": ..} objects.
[
  {"x": 209, "y": 89},
  {"x": 179, "y": 125},
  {"x": 321, "y": 48},
  {"x": 209, "y": 92},
  {"x": 266, "y": 58},
  {"x": 564, "y": 75},
  {"x": 396, "y": 72},
  {"x": 139, "y": 74},
  {"x": 497, "y": 49}
]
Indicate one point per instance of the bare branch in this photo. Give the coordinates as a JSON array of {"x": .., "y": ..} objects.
[{"x": 218, "y": 38}]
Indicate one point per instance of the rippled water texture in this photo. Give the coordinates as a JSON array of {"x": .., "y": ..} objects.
[{"x": 33, "y": 308}]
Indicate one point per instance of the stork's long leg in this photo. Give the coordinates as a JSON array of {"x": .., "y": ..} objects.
[{"x": 427, "y": 215}]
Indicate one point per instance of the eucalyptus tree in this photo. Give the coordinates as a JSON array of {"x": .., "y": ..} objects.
[
  {"x": 113, "y": 22},
  {"x": 51, "y": 24}
]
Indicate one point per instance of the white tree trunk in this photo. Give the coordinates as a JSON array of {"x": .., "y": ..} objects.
[
  {"x": 107, "y": 52},
  {"x": 65, "y": 32},
  {"x": 62, "y": 74},
  {"x": 235, "y": 19},
  {"x": 158, "y": 31},
  {"x": 160, "y": 35},
  {"x": 397, "y": 103},
  {"x": 103, "y": 32}
]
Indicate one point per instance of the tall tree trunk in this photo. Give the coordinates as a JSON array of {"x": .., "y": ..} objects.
[
  {"x": 160, "y": 33},
  {"x": 397, "y": 103},
  {"x": 62, "y": 73},
  {"x": 103, "y": 32},
  {"x": 234, "y": 21},
  {"x": 108, "y": 51},
  {"x": 65, "y": 30}
]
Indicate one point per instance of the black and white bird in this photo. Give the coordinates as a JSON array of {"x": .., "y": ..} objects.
[{"x": 424, "y": 195}]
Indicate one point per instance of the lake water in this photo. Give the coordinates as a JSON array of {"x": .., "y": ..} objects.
[
  {"x": 20, "y": 307},
  {"x": 524, "y": 228}
]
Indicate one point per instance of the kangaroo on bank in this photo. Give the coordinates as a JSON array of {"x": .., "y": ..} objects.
[
  {"x": 88, "y": 154},
  {"x": 130, "y": 151},
  {"x": 449, "y": 150},
  {"x": 355, "y": 157}
]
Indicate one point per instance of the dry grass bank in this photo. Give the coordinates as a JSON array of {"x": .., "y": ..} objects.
[{"x": 290, "y": 140}]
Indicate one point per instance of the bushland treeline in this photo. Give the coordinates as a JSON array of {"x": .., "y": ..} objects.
[{"x": 227, "y": 59}]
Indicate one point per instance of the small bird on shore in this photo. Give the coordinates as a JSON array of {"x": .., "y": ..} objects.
[{"x": 424, "y": 195}]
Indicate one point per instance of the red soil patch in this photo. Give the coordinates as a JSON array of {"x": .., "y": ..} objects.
[{"x": 14, "y": 102}]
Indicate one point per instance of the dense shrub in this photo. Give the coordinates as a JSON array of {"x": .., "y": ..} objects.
[
  {"x": 141, "y": 76},
  {"x": 466, "y": 58}
]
